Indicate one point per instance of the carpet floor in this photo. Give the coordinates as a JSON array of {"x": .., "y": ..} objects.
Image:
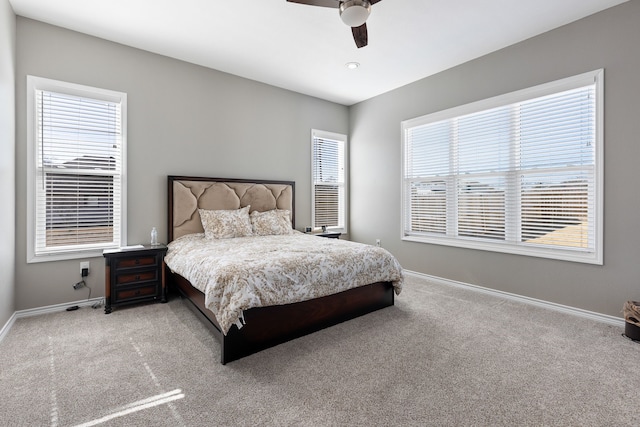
[{"x": 442, "y": 356}]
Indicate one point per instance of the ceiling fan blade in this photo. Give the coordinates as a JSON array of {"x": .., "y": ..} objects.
[
  {"x": 374, "y": 1},
  {"x": 322, "y": 3},
  {"x": 360, "y": 35}
]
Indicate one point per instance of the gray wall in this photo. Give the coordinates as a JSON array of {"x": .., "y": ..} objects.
[
  {"x": 182, "y": 120},
  {"x": 608, "y": 40},
  {"x": 7, "y": 159},
  {"x": 185, "y": 119}
]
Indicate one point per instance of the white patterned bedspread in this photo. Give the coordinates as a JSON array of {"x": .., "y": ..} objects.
[{"x": 245, "y": 272}]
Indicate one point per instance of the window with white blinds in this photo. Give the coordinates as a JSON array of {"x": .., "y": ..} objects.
[
  {"x": 520, "y": 173},
  {"x": 76, "y": 170},
  {"x": 328, "y": 166}
]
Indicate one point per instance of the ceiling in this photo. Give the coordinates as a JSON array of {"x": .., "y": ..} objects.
[{"x": 305, "y": 48}]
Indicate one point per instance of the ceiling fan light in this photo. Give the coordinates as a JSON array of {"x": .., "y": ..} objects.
[{"x": 355, "y": 12}]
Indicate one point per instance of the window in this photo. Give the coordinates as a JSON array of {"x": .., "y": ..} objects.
[
  {"x": 76, "y": 170},
  {"x": 328, "y": 160},
  {"x": 520, "y": 173}
]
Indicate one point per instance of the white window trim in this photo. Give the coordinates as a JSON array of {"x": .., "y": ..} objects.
[
  {"x": 39, "y": 83},
  {"x": 344, "y": 208},
  {"x": 595, "y": 257}
]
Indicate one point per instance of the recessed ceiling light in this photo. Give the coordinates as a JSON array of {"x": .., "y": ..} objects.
[{"x": 352, "y": 65}]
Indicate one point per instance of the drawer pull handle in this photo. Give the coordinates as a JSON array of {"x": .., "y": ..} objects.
[
  {"x": 137, "y": 293},
  {"x": 137, "y": 277},
  {"x": 137, "y": 261}
]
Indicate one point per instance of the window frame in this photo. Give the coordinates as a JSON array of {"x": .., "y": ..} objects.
[
  {"x": 595, "y": 78},
  {"x": 35, "y": 84},
  {"x": 343, "y": 201}
]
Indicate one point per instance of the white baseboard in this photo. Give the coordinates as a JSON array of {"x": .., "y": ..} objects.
[
  {"x": 605, "y": 318},
  {"x": 57, "y": 307},
  {"x": 44, "y": 310},
  {"x": 5, "y": 329}
]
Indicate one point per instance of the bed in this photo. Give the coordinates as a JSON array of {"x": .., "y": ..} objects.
[{"x": 245, "y": 325}]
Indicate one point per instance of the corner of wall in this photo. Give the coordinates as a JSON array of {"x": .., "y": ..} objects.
[{"x": 7, "y": 158}]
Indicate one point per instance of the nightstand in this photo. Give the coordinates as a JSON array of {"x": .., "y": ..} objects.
[
  {"x": 134, "y": 274},
  {"x": 329, "y": 235}
]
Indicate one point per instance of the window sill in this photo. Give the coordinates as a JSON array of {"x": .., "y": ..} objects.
[{"x": 92, "y": 253}]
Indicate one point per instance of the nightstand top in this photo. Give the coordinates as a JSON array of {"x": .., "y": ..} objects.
[
  {"x": 329, "y": 234},
  {"x": 135, "y": 248}
]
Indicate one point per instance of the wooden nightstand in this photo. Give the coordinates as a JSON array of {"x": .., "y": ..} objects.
[
  {"x": 329, "y": 235},
  {"x": 134, "y": 275}
]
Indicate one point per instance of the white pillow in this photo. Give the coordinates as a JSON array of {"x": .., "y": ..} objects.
[
  {"x": 226, "y": 224},
  {"x": 273, "y": 222}
]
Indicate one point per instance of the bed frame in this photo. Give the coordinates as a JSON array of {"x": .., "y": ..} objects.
[{"x": 264, "y": 326}]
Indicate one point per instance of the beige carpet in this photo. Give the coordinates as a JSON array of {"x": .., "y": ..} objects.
[{"x": 441, "y": 356}]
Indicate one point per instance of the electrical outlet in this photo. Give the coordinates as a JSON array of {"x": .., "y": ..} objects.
[
  {"x": 84, "y": 268},
  {"x": 378, "y": 243}
]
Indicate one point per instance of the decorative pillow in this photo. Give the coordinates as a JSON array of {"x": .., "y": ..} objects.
[
  {"x": 226, "y": 224},
  {"x": 273, "y": 222}
]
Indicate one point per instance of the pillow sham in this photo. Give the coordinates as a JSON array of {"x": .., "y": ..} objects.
[
  {"x": 226, "y": 224},
  {"x": 273, "y": 222}
]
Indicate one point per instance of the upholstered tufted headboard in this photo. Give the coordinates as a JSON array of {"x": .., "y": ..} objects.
[{"x": 188, "y": 194}]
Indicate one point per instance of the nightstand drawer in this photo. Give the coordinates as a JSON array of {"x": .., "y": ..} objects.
[
  {"x": 138, "y": 277},
  {"x": 141, "y": 261},
  {"x": 132, "y": 294}
]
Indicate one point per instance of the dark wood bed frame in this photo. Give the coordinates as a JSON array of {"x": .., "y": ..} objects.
[{"x": 269, "y": 326}]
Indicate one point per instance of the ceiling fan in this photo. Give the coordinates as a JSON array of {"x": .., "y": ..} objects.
[{"x": 354, "y": 13}]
